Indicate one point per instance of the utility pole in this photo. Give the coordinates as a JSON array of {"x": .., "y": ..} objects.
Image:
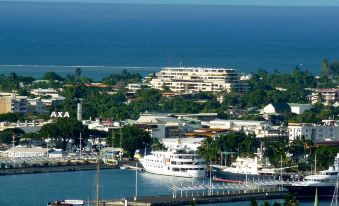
[
  {"x": 315, "y": 163},
  {"x": 209, "y": 159},
  {"x": 97, "y": 185},
  {"x": 112, "y": 145},
  {"x": 121, "y": 140},
  {"x": 136, "y": 181},
  {"x": 47, "y": 145},
  {"x": 280, "y": 167}
]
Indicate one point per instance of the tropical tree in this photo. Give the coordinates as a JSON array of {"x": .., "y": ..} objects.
[
  {"x": 64, "y": 131},
  {"x": 52, "y": 76},
  {"x": 6, "y": 136},
  {"x": 209, "y": 150},
  {"x": 132, "y": 138},
  {"x": 156, "y": 144}
]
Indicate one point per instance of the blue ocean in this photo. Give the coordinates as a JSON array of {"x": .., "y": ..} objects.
[{"x": 104, "y": 38}]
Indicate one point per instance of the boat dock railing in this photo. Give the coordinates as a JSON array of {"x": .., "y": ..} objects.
[{"x": 212, "y": 188}]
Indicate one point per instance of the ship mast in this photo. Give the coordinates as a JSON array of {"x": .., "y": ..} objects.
[
  {"x": 334, "y": 201},
  {"x": 97, "y": 184},
  {"x": 315, "y": 163}
]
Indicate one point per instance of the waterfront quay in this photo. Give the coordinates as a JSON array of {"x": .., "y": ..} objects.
[
  {"x": 61, "y": 168},
  {"x": 33, "y": 165},
  {"x": 186, "y": 194},
  {"x": 220, "y": 198}
]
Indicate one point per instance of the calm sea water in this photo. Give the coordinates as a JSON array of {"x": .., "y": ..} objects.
[
  {"x": 152, "y": 36},
  {"x": 38, "y": 189}
]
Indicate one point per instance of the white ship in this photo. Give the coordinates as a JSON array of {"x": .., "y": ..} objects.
[
  {"x": 242, "y": 170},
  {"x": 180, "y": 162},
  {"x": 325, "y": 181}
]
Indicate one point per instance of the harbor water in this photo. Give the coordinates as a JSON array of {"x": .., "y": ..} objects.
[{"x": 38, "y": 189}]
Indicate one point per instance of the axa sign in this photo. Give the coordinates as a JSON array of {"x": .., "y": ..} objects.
[{"x": 59, "y": 114}]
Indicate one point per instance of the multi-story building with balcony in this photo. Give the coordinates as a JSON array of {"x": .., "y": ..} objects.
[
  {"x": 328, "y": 130},
  {"x": 13, "y": 104},
  {"x": 325, "y": 96},
  {"x": 191, "y": 79}
]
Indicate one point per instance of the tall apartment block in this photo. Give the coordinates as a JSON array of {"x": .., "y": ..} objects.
[
  {"x": 13, "y": 104},
  {"x": 191, "y": 80}
]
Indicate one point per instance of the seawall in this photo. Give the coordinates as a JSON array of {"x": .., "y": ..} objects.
[{"x": 46, "y": 169}]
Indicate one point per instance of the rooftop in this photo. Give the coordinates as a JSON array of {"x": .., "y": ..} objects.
[{"x": 27, "y": 149}]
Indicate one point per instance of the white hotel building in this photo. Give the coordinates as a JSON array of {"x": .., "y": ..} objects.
[{"x": 191, "y": 79}]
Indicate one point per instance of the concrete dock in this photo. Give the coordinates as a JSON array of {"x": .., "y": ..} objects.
[{"x": 245, "y": 195}]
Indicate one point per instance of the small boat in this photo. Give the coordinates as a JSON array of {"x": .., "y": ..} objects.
[
  {"x": 123, "y": 167},
  {"x": 67, "y": 203}
]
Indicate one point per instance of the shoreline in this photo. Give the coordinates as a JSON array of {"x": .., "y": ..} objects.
[{"x": 51, "y": 169}]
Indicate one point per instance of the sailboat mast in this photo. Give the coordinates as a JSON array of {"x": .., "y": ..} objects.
[
  {"x": 112, "y": 145},
  {"x": 97, "y": 184},
  {"x": 315, "y": 163},
  {"x": 334, "y": 201},
  {"x": 80, "y": 145},
  {"x": 280, "y": 167},
  {"x": 120, "y": 140}
]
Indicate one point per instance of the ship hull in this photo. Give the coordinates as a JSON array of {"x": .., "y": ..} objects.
[
  {"x": 225, "y": 176},
  {"x": 309, "y": 191}
]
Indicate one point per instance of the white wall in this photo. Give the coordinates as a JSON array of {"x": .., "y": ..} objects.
[
  {"x": 315, "y": 133},
  {"x": 25, "y": 154},
  {"x": 159, "y": 132},
  {"x": 269, "y": 109},
  {"x": 300, "y": 109}
]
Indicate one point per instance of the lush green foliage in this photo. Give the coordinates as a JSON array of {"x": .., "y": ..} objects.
[
  {"x": 13, "y": 82},
  {"x": 7, "y": 134},
  {"x": 122, "y": 79},
  {"x": 64, "y": 130},
  {"x": 316, "y": 114},
  {"x": 132, "y": 138},
  {"x": 157, "y": 145},
  {"x": 238, "y": 142},
  {"x": 52, "y": 76},
  {"x": 11, "y": 117},
  {"x": 268, "y": 88}
]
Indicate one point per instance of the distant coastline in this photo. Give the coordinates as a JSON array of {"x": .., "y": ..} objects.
[{"x": 95, "y": 72}]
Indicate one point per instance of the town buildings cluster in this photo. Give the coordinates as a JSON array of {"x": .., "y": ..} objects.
[
  {"x": 39, "y": 103},
  {"x": 192, "y": 128}
]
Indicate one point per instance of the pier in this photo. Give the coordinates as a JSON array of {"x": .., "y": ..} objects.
[
  {"x": 201, "y": 193},
  {"x": 169, "y": 201}
]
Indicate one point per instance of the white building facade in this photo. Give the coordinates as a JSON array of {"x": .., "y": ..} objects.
[
  {"x": 299, "y": 108},
  {"x": 325, "y": 96},
  {"x": 13, "y": 104},
  {"x": 236, "y": 124},
  {"x": 190, "y": 79},
  {"x": 161, "y": 125},
  {"x": 15, "y": 152},
  {"x": 262, "y": 129},
  {"x": 329, "y": 130}
]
